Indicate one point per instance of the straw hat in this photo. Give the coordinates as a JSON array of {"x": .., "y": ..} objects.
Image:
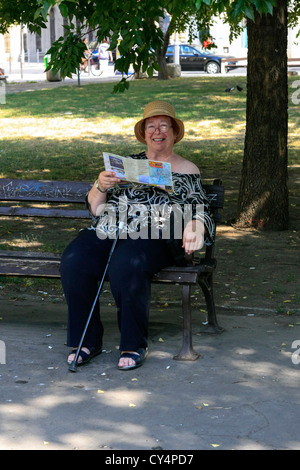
[{"x": 158, "y": 108}]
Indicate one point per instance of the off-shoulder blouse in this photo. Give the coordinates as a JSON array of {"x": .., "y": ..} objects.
[{"x": 142, "y": 204}]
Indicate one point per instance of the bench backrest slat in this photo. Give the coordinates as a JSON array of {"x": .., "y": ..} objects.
[
  {"x": 45, "y": 191},
  {"x": 71, "y": 191}
]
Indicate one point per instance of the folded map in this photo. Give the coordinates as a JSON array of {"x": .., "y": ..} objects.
[{"x": 135, "y": 171}]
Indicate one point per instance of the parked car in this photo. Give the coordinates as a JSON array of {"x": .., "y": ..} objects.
[{"x": 193, "y": 58}]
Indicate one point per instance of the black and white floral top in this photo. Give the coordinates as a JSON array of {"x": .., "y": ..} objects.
[{"x": 143, "y": 206}]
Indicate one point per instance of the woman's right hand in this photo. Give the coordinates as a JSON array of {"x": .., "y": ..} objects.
[
  {"x": 107, "y": 179},
  {"x": 96, "y": 198}
]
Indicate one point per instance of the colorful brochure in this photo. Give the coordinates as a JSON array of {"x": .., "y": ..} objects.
[{"x": 135, "y": 171}]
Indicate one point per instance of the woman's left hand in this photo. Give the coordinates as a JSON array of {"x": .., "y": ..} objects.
[{"x": 193, "y": 236}]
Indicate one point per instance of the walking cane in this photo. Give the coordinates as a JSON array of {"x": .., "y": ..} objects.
[{"x": 73, "y": 366}]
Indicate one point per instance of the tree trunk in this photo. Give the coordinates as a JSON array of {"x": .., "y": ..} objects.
[
  {"x": 263, "y": 196},
  {"x": 161, "y": 60},
  {"x": 161, "y": 57},
  {"x": 160, "y": 52}
]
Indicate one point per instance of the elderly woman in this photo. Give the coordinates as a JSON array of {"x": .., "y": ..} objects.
[{"x": 135, "y": 259}]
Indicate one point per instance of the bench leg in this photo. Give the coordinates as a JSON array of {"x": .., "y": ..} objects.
[
  {"x": 187, "y": 352},
  {"x": 206, "y": 284}
]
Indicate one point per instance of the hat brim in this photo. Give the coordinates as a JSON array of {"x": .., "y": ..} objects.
[{"x": 140, "y": 132}]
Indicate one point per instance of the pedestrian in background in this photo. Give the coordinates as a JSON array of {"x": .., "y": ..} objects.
[{"x": 104, "y": 55}]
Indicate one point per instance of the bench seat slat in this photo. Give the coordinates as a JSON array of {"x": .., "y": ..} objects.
[
  {"x": 47, "y": 212},
  {"x": 47, "y": 265},
  {"x": 28, "y": 264},
  {"x": 26, "y": 268},
  {"x": 27, "y": 255}
]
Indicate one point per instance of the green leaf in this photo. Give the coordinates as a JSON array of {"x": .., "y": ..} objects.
[
  {"x": 37, "y": 13},
  {"x": 239, "y": 7},
  {"x": 64, "y": 10},
  {"x": 249, "y": 12},
  {"x": 264, "y": 6},
  {"x": 46, "y": 6},
  {"x": 269, "y": 8},
  {"x": 156, "y": 66},
  {"x": 150, "y": 72},
  {"x": 121, "y": 86}
]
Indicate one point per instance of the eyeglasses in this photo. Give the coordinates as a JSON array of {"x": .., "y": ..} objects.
[{"x": 162, "y": 128}]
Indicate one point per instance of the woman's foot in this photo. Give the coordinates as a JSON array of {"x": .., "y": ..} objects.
[
  {"x": 132, "y": 359},
  {"x": 72, "y": 355},
  {"x": 86, "y": 354}
]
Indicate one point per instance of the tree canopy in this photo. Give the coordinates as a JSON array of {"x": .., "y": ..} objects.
[{"x": 132, "y": 25}]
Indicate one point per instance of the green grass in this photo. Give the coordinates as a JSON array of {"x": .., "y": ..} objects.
[{"x": 60, "y": 134}]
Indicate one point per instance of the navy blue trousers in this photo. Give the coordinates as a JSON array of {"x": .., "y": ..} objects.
[{"x": 131, "y": 268}]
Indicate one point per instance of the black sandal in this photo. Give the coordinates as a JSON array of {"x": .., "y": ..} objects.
[
  {"x": 86, "y": 357},
  {"x": 138, "y": 357}
]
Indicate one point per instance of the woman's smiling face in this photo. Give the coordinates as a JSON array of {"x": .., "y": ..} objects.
[{"x": 159, "y": 133}]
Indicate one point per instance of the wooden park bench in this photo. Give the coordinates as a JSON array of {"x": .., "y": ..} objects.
[
  {"x": 17, "y": 199},
  {"x": 232, "y": 63}
]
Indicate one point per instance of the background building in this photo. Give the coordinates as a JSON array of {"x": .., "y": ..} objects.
[{"x": 19, "y": 43}]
